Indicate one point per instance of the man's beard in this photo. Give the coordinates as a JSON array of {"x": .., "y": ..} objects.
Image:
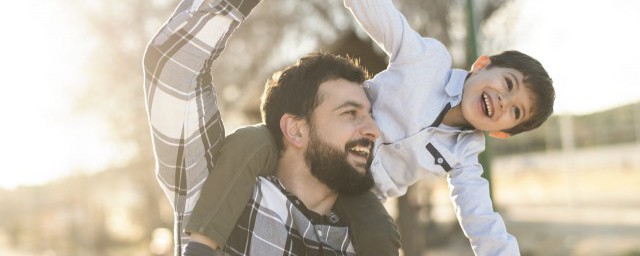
[{"x": 330, "y": 166}]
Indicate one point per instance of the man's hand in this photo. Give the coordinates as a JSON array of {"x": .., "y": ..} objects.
[
  {"x": 200, "y": 245},
  {"x": 200, "y": 238}
]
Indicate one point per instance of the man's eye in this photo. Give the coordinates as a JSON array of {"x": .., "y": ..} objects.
[
  {"x": 516, "y": 111},
  {"x": 350, "y": 112},
  {"x": 509, "y": 83}
]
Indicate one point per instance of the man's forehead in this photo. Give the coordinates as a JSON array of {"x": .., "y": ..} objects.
[{"x": 340, "y": 91}]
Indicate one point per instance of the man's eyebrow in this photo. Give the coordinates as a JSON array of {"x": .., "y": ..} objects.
[{"x": 350, "y": 103}]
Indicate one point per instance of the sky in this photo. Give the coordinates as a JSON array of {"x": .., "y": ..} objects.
[
  {"x": 589, "y": 48},
  {"x": 44, "y": 138}
]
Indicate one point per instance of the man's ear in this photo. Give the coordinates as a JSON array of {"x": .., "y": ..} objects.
[
  {"x": 499, "y": 135},
  {"x": 482, "y": 62},
  {"x": 294, "y": 130}
]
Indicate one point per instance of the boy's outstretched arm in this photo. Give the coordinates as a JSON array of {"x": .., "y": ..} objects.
[
  {"x": 388, "y": 28},
  {"x": 469, "y": 192},
  {"x": 180, "y": 99}
]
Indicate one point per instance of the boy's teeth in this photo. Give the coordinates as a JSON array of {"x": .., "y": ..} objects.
[{"x": 485, "y": 97}]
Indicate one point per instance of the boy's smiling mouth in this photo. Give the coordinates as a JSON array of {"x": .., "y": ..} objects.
[{"x": 486, "y": 104}]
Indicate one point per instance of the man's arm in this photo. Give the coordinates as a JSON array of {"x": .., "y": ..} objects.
[{"x": 181, "y": 102}]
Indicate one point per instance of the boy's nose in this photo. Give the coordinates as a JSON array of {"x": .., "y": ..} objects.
[{"x": 503, "y": 101}]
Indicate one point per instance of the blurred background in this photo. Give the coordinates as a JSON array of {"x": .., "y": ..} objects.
[{"x": 78, "y": 171}]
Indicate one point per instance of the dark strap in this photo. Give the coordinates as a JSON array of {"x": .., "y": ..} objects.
[
  {"x": 438, "y": 158},
  {"x": 444, "y": 111}
]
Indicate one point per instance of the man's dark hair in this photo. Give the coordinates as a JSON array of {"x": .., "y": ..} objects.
[
  {"x": 294, "y": 90},
  {"x": 537, "y": 80}
]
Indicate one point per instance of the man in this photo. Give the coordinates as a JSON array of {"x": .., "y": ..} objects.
[
  {"x": 323, "y": 128},
  {"x": 326, "y": 133}
]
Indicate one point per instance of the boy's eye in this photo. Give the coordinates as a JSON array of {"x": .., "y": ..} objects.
[
  {"x": 509, "y": 83},
  {"x": 516, "y": 111}
]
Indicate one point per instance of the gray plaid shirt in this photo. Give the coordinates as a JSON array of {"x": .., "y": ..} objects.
[
  {"x": 276, "y": 222},
  {"x": 181, "y": 102}
]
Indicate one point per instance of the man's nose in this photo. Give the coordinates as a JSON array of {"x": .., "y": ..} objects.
[{"x": 370, "y": 128}]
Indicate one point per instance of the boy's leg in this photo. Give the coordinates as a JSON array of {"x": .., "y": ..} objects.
[
  {"x": 373, "y": 231},
  {"x": 248, "y": 152}
]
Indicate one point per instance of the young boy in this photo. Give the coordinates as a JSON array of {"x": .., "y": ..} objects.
[{"x": 432, "y": 120}]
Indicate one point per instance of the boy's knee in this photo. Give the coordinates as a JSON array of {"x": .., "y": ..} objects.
[
  {"x": 382, "y": 238},
  {"x": 374, "y": 231},
  {"x": 381, "y": 231}
]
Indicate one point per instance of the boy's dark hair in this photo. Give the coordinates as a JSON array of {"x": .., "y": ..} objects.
[
  {"x": 294, "y": 90},
  {"x": 537, "y": 80}
]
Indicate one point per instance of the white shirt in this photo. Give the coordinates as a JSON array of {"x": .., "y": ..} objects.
[{"x": 409, "y": 100}]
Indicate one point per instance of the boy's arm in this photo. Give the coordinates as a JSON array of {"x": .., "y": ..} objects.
[
  {"x": 388, "y": 28},
  {"x": 473, "y": 207},
  {"x": 180, "y": 99}
]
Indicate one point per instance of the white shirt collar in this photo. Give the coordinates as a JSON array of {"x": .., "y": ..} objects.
[{"x": 455, "y": 85}]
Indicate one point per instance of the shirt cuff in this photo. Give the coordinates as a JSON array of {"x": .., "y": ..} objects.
[{"x": 236, "y": 9}]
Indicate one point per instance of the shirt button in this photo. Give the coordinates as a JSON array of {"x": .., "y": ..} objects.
[
  {"x": 440, "y": 160},
  {"x": 376, "y": 162},
  {"x": 333, "y": 218},
  {"x": 319, "y": 232}
]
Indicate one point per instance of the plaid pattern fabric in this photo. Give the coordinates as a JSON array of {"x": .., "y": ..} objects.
[
  {"x": 181, "y": 102},
  {"x": 275, "y": 222}
]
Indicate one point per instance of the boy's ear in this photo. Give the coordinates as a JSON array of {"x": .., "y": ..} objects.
[
  {"x": 482, "y": 62},
  {"x": 499, "y": 135},
  {"x": 294, "y": 130}
]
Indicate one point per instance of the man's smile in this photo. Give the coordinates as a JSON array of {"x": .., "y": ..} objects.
[{"x": 360, "y": 152}]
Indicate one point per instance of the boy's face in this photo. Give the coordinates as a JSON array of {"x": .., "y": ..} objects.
[{"x": 495, "y": 98}]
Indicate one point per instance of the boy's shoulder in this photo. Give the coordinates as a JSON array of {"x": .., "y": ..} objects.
[
  {"x": 470, "y": 141},
  {"x": 460, "y": 142}
]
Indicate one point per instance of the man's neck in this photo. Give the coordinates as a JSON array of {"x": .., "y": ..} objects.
[{"x": 296, "y": 177}]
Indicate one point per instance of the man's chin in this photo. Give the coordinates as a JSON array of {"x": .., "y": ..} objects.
[
  {"x": 360, "y": 168},
  {"x": 359, "y": 165}
]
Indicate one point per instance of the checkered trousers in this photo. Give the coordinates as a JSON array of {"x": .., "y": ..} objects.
[
  {"x": 276, "y": 222},
  {"x": 181, "y": 102}
]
